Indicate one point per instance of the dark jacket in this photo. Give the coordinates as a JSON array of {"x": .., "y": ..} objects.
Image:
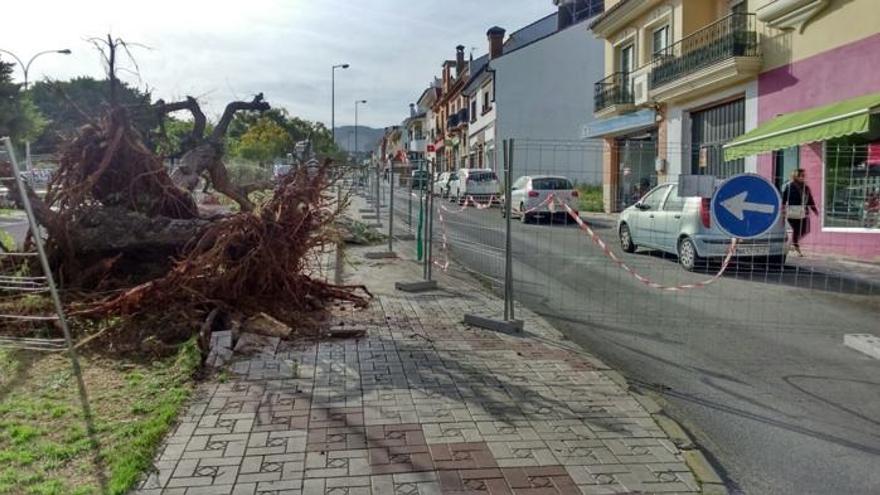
[{"x": 794, "y": 193}]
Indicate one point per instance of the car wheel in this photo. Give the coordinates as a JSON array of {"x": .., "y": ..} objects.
[
  {"x": 626, "y": 241},
  {"x": 777, "y": 261},
  {"x": 687, "y": 254}
]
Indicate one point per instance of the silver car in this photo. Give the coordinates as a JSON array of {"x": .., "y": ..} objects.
[{"x": 683, "y": 226}]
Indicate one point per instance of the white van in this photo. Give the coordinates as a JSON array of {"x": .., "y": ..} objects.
[{"x": 478, "y": 183}]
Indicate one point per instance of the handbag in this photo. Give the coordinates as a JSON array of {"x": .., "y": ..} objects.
[{"x": 796, "y": 212}]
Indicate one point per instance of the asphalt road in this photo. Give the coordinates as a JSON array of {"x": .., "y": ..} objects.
[{"x": 753, "y": 366}]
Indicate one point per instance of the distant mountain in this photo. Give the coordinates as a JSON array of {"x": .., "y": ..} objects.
[{"x": 367, "y": 137}]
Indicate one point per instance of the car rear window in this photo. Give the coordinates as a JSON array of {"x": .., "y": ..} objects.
[
  {"x": 482, "y": 176},
  {"x": 551, "y": 184}
]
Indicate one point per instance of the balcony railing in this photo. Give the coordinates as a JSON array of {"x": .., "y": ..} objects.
[
  {"x": 452, "y": 121},
  {"x": 463, "y": 116},
  {"x": 615, "y": 89},
  {"x": 731, "y": 36}
]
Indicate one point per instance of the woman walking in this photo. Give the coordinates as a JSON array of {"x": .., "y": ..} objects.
[{"x": 798, "y": 202}]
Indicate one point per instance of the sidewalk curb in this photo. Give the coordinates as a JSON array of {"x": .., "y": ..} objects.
[{"x": 705, "y": 473}]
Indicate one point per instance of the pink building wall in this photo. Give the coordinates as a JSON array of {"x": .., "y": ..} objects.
[{"x": 838, "y": 74}]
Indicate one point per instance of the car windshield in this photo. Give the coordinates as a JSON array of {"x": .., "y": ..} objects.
[
  {"x": 482, "y": 176},
  {"x": 551, "y": 184}
]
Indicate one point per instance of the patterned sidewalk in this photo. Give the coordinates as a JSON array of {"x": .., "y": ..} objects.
[{"x": 421, "y": 405}]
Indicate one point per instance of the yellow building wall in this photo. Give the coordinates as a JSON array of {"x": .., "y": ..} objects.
[{"x": 841, "y": 23}]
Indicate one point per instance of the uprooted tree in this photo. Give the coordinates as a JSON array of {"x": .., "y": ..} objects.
[
  {"x": 116, "y": 219},
  {"x": 205, "y": 150}
]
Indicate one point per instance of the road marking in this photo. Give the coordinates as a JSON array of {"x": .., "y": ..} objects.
[{"x": 864, "y": 343}]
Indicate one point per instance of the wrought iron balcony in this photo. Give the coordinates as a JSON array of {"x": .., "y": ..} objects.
[
  {"x": 729, "y": 37},
  {"x": 452, "y": 121},
  {"x": 615, "y": 89},
  {"x": 463, "y": 116}
]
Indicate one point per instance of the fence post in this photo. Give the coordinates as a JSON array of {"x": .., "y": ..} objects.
[
  {"x": 507, "y": 324},
  {"x": 424, "y": 231},
  {"x": 340, "y": 243},
  {"x": 508, "y": 245},
  {"x": 409, "y": 207},
  {"x": 430, "y": 251},
  {"x": 391, "y": 209},
  {"x": 378, "y": 195}
]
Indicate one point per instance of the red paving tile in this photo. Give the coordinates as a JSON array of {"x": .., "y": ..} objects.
[{"x": 470, "y": 455}]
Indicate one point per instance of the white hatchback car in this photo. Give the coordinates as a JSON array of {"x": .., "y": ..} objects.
[
  {"x": 478, "y": 183},
  {"x": 683, "y": 226},
  {"x": 529, "y": 197}
]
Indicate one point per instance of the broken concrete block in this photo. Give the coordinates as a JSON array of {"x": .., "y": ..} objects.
[
  {"x": 263, "y": 324},
  {"x": 251, "y": 343}
]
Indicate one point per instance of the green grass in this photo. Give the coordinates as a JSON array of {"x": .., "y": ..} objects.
[
  {"x": 45, "y": 448},
  {"x": 590, "y": 198}
]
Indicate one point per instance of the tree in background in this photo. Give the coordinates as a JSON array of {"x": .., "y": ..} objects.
[
  {"x": 19, "y": 118},
  {"x": 297, "y": 129},
  {"x": 263, "y": 141},
  {"x": 68, "y": 105}
]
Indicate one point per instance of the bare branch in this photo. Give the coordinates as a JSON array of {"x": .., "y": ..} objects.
[
  {"x": 256, "y": 104},
  {"x": 200, "y": 122}
]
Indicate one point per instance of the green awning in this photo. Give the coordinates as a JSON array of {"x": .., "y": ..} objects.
[{"x": 807, "y": 126}]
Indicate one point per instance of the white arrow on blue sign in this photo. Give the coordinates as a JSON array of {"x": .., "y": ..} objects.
[{"x": 746, "y": 206}]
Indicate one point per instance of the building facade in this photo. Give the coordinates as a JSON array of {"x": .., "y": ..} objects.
[
  {"x": 818, "y": 109},
  {"x": 678, "y": 85}
]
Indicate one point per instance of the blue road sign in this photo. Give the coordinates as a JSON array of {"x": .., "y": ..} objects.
[{"x": 746, "y": 206}]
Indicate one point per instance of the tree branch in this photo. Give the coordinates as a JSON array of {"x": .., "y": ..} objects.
[
  {"x": 256, "y": 104},
  {"x": 200, "y": 122}
]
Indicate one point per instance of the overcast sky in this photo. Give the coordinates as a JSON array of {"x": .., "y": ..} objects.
[{"x": 221, "y": 50}]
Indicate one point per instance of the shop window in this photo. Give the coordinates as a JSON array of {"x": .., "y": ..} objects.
[
  {"x": 784, "y": 163},
  {"x": 852, "y": 184}
]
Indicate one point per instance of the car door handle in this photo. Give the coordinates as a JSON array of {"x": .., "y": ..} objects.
[
  {"x": 676, "y": 216},
  {"x": 650, "y": 216}
]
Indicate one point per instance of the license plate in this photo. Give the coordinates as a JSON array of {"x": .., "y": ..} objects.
[{"x": 753, "y": 250}]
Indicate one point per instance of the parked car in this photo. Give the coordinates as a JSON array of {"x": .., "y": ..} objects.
[
  {"x": 419, "y": 179},
  {"x": 683, "y": 226},
  {"x": 530, "y": 192},
  {"x": 441, "y": 184},
  {"x": 478, "y": 183}
]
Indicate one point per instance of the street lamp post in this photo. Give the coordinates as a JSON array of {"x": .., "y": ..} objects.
[
  {"x": 333, "y": 99},
  {"x": 356, "y": 103},
  {"x": 25, "y": 68}
]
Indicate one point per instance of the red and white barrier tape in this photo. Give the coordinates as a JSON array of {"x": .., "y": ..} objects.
[
  {"x": 641, "y": 278},
  {"x": 551, "y": 200},
  {"x": 444, "y": 247}
]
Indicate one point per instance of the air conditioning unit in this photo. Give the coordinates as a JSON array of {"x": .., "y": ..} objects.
[{"x": 640, "y": 88}]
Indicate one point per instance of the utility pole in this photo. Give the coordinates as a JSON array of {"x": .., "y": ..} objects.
[{"x": 333, "y": 99}]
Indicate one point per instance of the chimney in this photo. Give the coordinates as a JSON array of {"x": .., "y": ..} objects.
[
  {"x": 496, "y": 41},
  {"x": 412, "y": 109},
  {"x": 459, "y": 60},
  {"x": 565, "y": 16}
]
